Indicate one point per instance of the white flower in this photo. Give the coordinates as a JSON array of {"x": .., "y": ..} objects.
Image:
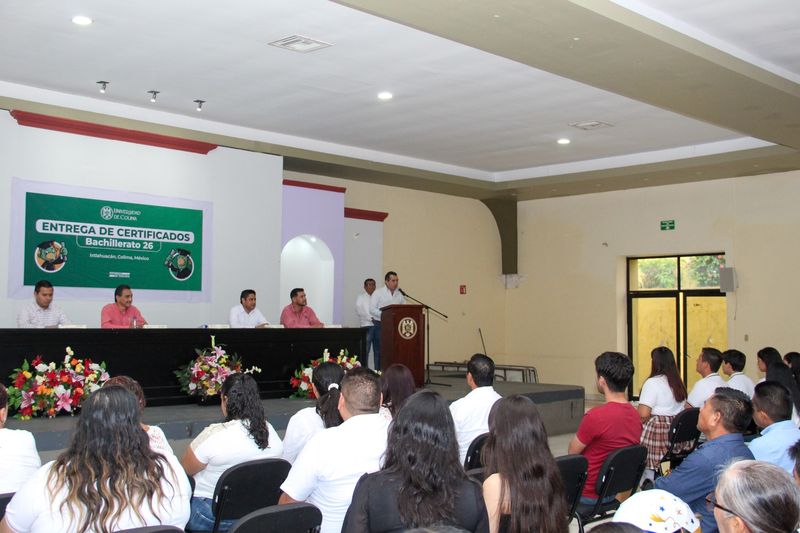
[
  {"x": 192, "y": 386},
  {"x": 325, "y": 353},
  {"x": 52, "y": 366},
  {"x": 308, "y": 371},
  {"x": 59, "y": 390},
  {"x": 39, "y": 379},
  {"x": 303, "y": 386},
  {"x": 93, "y": 387},
  {"x": 341, "y": 353},
  {"x": 95, "y": 367},
  {"x": 41, "y": 367},
  {"x": 70, "y": 352}
]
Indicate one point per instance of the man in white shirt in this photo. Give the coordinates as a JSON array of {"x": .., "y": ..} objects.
[
  {"x": 246, "y": 315},
  {"x": 19, "y": 459},
  {"x": 42, "y": 312},
  {"x": 708, "y": 363},
  {"x": 733, "y": 362},
  {"x": 471, "y": 413},
  {"x": 389, "y": 294},
  {"x": 365, "y": 316},
  {"x": 331, "y": 463}
]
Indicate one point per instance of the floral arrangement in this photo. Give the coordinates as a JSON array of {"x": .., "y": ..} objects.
[
  {"x": 301, "y": 381},
  {"x": 45, "y": 389},
  {"x": 205, "y": 375}
]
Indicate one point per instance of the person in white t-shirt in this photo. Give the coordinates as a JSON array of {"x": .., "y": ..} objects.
[
  {"x": 364, "y": 315},
  {"x": 662, "y": 397},
  {"x": 471, "y": 413},
  {"x": 708, "y": 363},
  {"x": 327, "y": 470},
  {"x": 305, "y": 423},
  {"x": 108, "y": 479},
  {"x": 18, "y": 456},
  {"x": 246, "y": 314},
  {"x": 244, "y": 436},
  {"x": 733, "y": 362}
]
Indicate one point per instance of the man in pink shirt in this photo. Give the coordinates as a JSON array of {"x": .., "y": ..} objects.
[
  {"x": 297, "y": 314},
  {"x": 122, "y": 313}
]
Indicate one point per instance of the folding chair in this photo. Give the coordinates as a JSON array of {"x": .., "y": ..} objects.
[
  {"x": 683, "y": 438},
  {"x": 473, "y": 459},
  {"x": 291, "y": 518},
  {"x": 574, "y": 471},
  {"x": 151, "y": 529}
]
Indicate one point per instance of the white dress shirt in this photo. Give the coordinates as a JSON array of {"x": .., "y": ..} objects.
[
  {"x": 19, "y": 459},
  {"x": 704, "y": 388},
  {"x": 240, "y": 318},
  {"x": 743, "y": 383},
  {"x": 471, "y": 416},
  {"x": 381, "y": 298},
  {"x": 362, "y": 310},
  {"x": 34, "y": 316}
]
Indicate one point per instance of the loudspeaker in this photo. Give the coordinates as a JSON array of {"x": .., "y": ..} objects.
[{"x": 727, "y": 279}]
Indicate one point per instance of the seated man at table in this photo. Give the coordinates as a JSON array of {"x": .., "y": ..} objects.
[
  {"x": 122, "y": 313},
  {"x": 298, "y": 314},
  {"x": 42, "y": 312},
  {"x": 246, "y": 314}
]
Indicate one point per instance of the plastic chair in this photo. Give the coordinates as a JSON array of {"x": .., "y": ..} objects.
[
  {"x": 574, "y": 471},
  {"x": 4, "y": 499},
  {"x": 473, "y": 458},
  {"x": 478, "y": 474},
  {"x": 248, "y": 486},
  {"x": 151, "y": 529},
  {"x": 683, "y": 438},
  {"x": 290, "y": 518},
  {"x": 621, "y": 472}
]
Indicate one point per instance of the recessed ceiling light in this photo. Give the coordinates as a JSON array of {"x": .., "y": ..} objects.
[
  {"x": 81, "y": 20},
  {"x": 300, "y": 43},
  {"x": 103, "y": 86},
  {"x": 385, "y": 95},
  {"x": 199, "y": 104},
  {"x": 153, "y": 95},
  {"x": 563, "y": 141}
]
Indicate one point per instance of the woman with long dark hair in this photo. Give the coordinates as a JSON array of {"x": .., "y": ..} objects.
[
  {"x": 397, "y": 385},
  {"x": 158, "y": 441},
  {"x": 108, "y": 478},
  {"x": 792, "y": 360},
  {"x": 662, "y": 397},
  {"x": 326, "y": 379},
  {"x": 783, "y": 375},
  {"x": 523, "y": 490},
  {"x": 422, "y": 482},
  {"x": 767, "y": 357},
  {"x": 244, "y": 436}
]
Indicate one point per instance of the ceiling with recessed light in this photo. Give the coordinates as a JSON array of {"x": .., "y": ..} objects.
[{"x": 481, "y": 91}]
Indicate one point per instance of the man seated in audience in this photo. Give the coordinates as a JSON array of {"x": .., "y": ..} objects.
[
  {"x": 608, "y": 427},
  {"x": 794, "y": 453},
  {"x": 246, "y": 314},
  {"x": 122, "y": 313},
  {"x": 723, "y": 418},
  {"x": 772, "y": 412},
  {"x": 732, "y": 366},
  {"x": 19, "y": 459},
  {"x": 471, "y": 413},
  {"x": 298, "y": 314},
  {"x": 708, "y": 363},
  {"x": 42, "y": 312},
  {"x": 331, "y": 463}
]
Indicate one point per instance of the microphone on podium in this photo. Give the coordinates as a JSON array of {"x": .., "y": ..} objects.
[{"x": 402, "y": 291}]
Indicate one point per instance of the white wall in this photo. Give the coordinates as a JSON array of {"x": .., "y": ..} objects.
[
  {"x": 363, "y": 258},
  {"x": 244, "y": 187},
  {"x": 307, "y": 262}
]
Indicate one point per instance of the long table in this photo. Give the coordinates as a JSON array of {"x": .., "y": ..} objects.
[{"x": 152, "y": 355}]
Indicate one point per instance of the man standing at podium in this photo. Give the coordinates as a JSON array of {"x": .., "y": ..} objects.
[{"x": 387, "y": 295}]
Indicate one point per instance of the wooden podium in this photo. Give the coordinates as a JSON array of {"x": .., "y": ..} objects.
[{"x": 403, "y": 339}]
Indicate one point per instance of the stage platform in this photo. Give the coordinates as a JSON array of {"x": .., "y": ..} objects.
[{"x": 561, "y": 406}]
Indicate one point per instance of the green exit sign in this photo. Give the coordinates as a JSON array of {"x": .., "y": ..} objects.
[{"x": 667, "y": 225}]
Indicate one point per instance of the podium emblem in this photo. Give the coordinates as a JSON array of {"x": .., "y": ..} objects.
[{"x": 407, "y": 328}]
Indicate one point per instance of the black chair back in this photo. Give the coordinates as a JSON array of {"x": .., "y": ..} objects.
[
  {"x": 621, "y": 472},
  {"x": 477, "y": 474},
  {"x": 473, "y": 459},
  {"x": 291, "y": 518},
  {"x": 151, "y": 529},
  {"x": 574, "y": 471},
  {"x": 4, "y": 499},
  {"x": 247, "y": 487},
  {"x": 683, "y": 438}
]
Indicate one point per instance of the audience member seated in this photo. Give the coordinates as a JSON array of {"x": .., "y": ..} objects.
[
  {"x": 792, "y": 360},
  {"x": 19, "y": 459},
  {"x": 397, "y": 385},
  {"x": 662, "y": 397},
  {"x": 108, "y": 479},
  {"x": 658, "y": 511},
  {"x": 783, "y": 375},
  {"x": 305, "y": 423},
  {"x": 756, "y": 497},
  {"x": 158, "y": 441},
  {"x": 331, "y": 463},
  {"x": 616, "y": 527},
  {"x": 421, "y": 482},
  {"x": 471, "y": 413},
  {"x": 723, "y": 418},
  {"x": 794, "y": 453},
  {"x": 767, "y": 357},
  {"x": 245, "y": 435},
  {"x": 523, "y": 490},
  {"x": 733, "y": 362},
  {"x": 608, "y": 427},
  {"x": 772, "y": 412},
  {"x": 708, "y": 363}
]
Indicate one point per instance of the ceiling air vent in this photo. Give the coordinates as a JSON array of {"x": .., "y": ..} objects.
[
  {"x": 298, "y": 43},
  {"x": 591, "y": 125}
]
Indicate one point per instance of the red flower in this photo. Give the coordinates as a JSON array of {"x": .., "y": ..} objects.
[
  {"x": 27, "y": 411},
  {"x": 36, "y": 360},
  {"x": 20, "y": 381}
]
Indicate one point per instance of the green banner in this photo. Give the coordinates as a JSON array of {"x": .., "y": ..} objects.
[{"x": 82, "y": 242}]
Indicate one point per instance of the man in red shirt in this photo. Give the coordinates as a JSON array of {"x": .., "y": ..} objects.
[
  {"x": 611, "y": 426},
  {"x": 297, "y": 314},
  {"x": 122, "y": 313}
]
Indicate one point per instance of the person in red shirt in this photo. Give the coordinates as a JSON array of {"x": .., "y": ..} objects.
[
  {"x": 122, "y": 313},
  {"x": 297, "y": 314},
  {"x": 611, "y": 426}
]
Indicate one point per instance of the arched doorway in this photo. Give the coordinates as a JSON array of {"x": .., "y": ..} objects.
[{"x": 307, "y": 262}]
